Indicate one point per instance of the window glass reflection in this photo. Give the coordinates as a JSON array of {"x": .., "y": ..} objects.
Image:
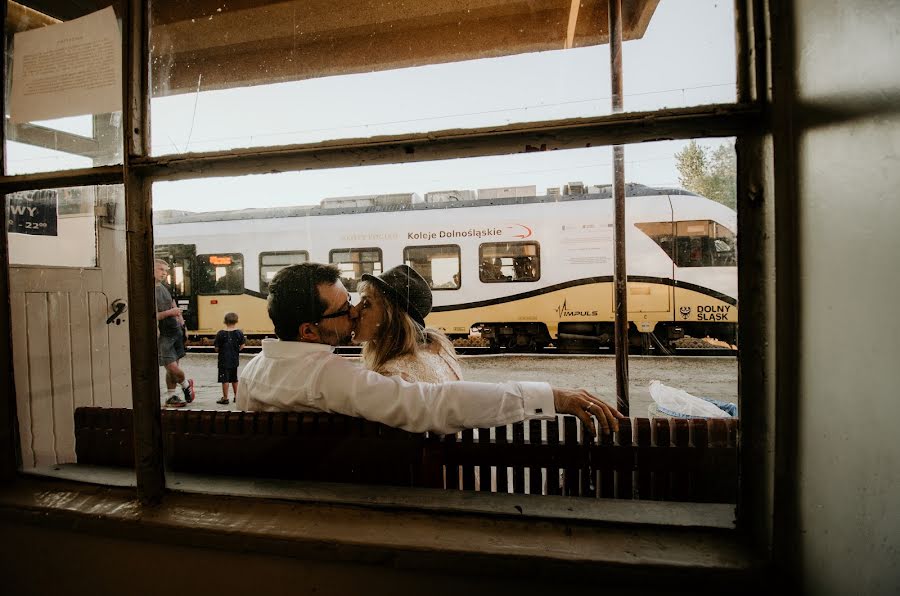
[
  {"x": 438, "y": 265},
  {"x": 220, "y": 274},
  {"x": 271, "y": 263},
  {"x": 352, "y": 263},
  {"x": 64, "y": 92}
]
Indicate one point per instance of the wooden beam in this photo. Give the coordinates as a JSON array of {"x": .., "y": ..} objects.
[
  {"x": 62, "y": 179},
  {"x": 682, "y": 123},
  {"x": 58, "y": 140},
  {"x": 9, "y": 448},
  {"x": 573, "y": 20},
  {"x": 256, "y": 43},
  {"x": 142, "y": 330},
  {"x": 22, "y": 18}
]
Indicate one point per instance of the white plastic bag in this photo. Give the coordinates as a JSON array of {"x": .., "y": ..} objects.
[{"x": 681, "y": 402}]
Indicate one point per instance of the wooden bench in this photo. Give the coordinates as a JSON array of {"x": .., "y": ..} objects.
[{"x": 659, "y": 459}]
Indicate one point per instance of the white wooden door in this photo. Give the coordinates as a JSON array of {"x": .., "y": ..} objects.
[{"x": 65, "y": 355}]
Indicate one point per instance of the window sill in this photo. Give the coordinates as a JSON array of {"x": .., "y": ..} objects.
[
  {"x": 517, "y": 506},
  {"x": 397, "y": 532}
]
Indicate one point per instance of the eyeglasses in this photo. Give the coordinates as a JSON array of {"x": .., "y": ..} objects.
[{"x": 341, "y": 313}]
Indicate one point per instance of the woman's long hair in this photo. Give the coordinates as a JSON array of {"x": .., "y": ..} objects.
[{"x": 398, "y": 333}]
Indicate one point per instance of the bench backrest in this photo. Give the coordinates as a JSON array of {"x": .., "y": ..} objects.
[{"x": 661, "y": 459}]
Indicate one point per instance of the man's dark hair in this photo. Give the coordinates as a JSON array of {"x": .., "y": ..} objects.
[{"x": 294, "y": 297}]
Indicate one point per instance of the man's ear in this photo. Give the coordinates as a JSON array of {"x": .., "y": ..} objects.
[{"x": 309, "y": 332}]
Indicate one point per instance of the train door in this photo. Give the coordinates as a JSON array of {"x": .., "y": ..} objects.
[
  {"x": 181, "y": 278},
  {"x": 68, "y": 291},
  {"x": 650, "y": 274},
  {"x": 706, "y": 275}
]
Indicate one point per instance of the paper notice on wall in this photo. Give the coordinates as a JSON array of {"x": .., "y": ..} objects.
[{"x": 69, "y": 69}]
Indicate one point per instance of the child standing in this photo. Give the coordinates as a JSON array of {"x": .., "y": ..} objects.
[{"x": 228, "y": 343}]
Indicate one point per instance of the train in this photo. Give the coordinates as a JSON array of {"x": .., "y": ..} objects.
[{"x": 520, "y": 272}]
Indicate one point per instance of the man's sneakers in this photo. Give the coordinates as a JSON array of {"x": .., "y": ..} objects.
[{"x": 175, "y": 402}]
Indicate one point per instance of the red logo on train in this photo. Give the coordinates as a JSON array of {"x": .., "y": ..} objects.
[{"x": 525, "y": 232}]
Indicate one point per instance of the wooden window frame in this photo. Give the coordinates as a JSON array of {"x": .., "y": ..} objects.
[{"x": 748, "y": 119}]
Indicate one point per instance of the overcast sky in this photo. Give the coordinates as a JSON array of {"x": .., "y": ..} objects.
[{"x": 685, "y": 58}]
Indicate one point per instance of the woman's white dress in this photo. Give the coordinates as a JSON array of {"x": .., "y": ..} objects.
[{"x": 428, "y": 365}]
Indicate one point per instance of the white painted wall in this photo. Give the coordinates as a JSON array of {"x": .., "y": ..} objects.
[{"x": 848, "y": 490}]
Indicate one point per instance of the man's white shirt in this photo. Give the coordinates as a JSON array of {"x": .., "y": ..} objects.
[{"x": 300, "y": 376}]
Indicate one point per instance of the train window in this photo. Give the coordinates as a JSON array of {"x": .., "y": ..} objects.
[
  {"x": 271, "y": 263},
  {"x": 220, "y": 274},
  {"x": 704, "y": 243},
  {"x": 353, "y": 262},
  {"x": 509, "y": 261},
  {"x": 662, "y": 232},
  {"x": 439, "y": 265},
  {"x": 180, "y": 278},
  {"x": 701, "y": 243}
]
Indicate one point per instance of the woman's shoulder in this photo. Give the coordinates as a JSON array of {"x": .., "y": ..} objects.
[{"x": 425, "y": 366}]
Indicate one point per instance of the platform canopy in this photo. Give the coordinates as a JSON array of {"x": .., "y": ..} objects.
[{"x": 237, "y": 43}]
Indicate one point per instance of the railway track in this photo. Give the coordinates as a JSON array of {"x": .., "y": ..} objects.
[{"x": 485, "y": 351}]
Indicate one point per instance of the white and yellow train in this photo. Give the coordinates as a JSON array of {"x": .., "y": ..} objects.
[{"x": 524, "y": 271}]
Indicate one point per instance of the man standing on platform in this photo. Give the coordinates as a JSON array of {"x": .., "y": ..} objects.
[{"x": 170, "y": 339}]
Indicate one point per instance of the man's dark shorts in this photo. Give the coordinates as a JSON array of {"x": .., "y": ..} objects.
[
  {"x": 171, "y": 348},
  {"x": 228, "y": 375}
]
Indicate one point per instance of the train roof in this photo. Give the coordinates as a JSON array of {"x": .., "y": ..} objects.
[{"x": 173, "y": 216}]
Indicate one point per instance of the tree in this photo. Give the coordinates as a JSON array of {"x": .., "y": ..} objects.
[{"x": 709, "y": 172}]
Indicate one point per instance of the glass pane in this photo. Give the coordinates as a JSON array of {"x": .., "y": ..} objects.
[
  {"x": 303, "y": 68},
  {"x": 65, "y": 92},
  {"x": 53, "y": 227},
  {"x": 420, "y": 70},
  {"x": 685, "y": 58},
  {"x": 683, "y": 269},
  {"x": 68, "y": 296},
  {"x": 546, "y": 216},
  {"x": 430, "y": 66}
]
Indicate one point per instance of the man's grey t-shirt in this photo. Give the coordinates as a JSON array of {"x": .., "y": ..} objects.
[{"x": 169, "y": 325}]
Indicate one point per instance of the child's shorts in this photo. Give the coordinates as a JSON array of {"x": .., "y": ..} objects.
[{"x": 228, "y": 375}]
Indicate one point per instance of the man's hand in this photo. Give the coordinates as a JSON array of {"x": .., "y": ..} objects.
[{"x": 582, "y": 404}]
